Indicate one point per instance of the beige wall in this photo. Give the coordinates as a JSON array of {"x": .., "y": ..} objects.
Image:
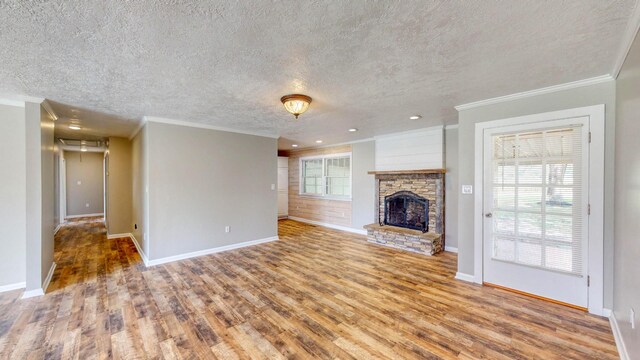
[
  {"x": 119, "y": 186},
  {"x": 451, "y": 188},
  {"x": 12, "y": 196},
  {"x": 203, "y": 180},
  {"x": 139, "y": 175},
  {"x": 627, "y": 201},
  {"x": 603, "y": 93},
  {"x": 335, "y": 212},
  {"x": 85, "y": 182},
  {"x": 363, "y": 202},
  {"x": 40, "y": 194}
]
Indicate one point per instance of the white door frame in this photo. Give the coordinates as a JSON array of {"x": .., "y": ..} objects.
[
  {"x": 63, "y": 188},
  {"x": 595, "y": 269}
]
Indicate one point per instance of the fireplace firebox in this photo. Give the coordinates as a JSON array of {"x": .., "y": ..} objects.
[{"x": 408, "y": 210}]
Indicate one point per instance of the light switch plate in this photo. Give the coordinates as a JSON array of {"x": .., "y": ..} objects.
[
  {"x": 273, "y": 186},
  {"x": 467, "y": 189},
  {"x": 632, "y": 318}
]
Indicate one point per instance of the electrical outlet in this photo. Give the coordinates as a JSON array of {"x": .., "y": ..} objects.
[
  {"x": 227, "y": 229},
  {"x": 86, "y": 205},
  {"x": 632, "y": 318},
  {"x": 467, "y": 189}
]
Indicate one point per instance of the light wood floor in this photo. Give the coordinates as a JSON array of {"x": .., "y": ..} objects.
[{"x": 316, "y": 293}]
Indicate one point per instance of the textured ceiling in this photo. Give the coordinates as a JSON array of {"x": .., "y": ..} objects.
[{"x": 367, "y": 65}]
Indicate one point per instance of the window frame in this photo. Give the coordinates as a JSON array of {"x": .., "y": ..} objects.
[{"x": 324, "y": 177}]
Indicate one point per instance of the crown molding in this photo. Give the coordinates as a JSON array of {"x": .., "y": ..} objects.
[
  {"x": 545, "y": 90},
  {"x": 333, "y": 145},
  {"x": 206, "y": 126},
  {"x": 47, "y": 106},
  {"x": 409, "y": 132},
  {"x": 25, "y": 98},
  {"x": 19, "y": 100},
  {"x": 630, "y": 34},
  {"x": 431, "y": 128},
  {"x": 11, "y": 102},
  {"x": 138, "y": 128}
]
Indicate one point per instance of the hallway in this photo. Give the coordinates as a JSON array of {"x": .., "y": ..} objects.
[{"x": 315, "y": 293}]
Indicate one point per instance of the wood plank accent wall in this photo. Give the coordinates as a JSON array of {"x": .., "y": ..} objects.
[
  {"x": 334, "y": 212},
  {"x": 418, "y": 149}
]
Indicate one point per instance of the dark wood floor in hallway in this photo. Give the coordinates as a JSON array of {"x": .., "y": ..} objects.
[{"x": 316, "y": 293}]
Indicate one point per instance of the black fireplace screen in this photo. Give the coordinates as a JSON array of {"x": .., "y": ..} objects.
[{"x": 408, "y": 210}]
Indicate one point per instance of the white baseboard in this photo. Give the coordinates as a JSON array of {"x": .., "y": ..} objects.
[
  {"x": 47, "y": 280},
  {"x": 465, "y": 277},
  {"x": 83, "y": 215},
  {"x": 45, "y": 284},
  {"x": 451, "y": 249},
  {"x": 331, "y": 226},
  {"x": 144, "y": 257},
  {"x": 56, "y": 229},
  {"x": 617, "y": 336},
  {"x": 606, "y": 312},
  {"x": 116, "y": 236},
  {"x": 9, "y": 287},
  {"x": 209, "y": 251},
  {"x": 32, "y": 293}
]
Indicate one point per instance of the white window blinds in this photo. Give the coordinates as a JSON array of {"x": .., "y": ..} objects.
[
  {"x": 328, "y": 176},
  {"x": 537, "y": 199}
]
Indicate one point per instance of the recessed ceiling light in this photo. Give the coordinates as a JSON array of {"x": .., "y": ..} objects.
[
  {"x": 353, "y": 130},
  {"x": 318, "y": 141},
  {"x": 294, "y": 145},
  {"x": 415, "y": 117},
  {"x": 74, "y": 127},
  {"x": 83, "y": 149}
]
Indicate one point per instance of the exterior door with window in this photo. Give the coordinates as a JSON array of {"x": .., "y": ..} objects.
[{"x": 536, "y": 209}]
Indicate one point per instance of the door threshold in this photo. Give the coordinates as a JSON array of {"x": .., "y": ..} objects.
[{"x": 536, "y": 296}]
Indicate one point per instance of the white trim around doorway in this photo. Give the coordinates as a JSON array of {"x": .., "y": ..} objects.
[
  {"x": 596, "y": 193},
  {"x": 84, "y": 215}
]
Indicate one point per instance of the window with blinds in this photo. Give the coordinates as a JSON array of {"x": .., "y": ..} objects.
[
  {"x": 537, "y": 199},
  {"x": 328, "y": 176},
  {"x": 312, "y": 176}
]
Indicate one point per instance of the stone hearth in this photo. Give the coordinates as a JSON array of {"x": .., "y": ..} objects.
[
  {"x": 428, "y": 184},
  {"x": 428, "y": 243}
]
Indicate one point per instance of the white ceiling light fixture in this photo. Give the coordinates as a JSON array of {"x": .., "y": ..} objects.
[
  {"x": 296, "y": 104},
  {"x": 75, "y": 127},
  {"x": 353, "y": 130},
  {"x": 83, "y": 149},
  {"x": 415, "y": 117},
  {"x": 318, "y": 141},
  {"x": 294, "y": 145}
]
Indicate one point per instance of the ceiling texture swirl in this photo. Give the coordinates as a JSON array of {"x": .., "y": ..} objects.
[{"x": 367, "y": 65}]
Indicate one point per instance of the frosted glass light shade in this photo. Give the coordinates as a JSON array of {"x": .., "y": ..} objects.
[{"x": 296, "y": 104}]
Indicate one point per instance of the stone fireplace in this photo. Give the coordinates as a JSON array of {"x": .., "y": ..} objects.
[
  {"x": 406, "y": 209},
  {"x": 410, "y": 210}
]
